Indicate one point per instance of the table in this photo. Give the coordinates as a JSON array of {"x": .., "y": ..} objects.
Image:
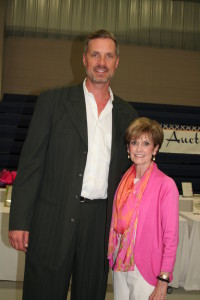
[
  {"x": 192, "y": 281},
  {"x": 11, "y": 261},
  {"x": 182, "y": 255}
]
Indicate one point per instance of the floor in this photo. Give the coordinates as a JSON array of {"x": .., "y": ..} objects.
[{"x": 13, "y": 291}]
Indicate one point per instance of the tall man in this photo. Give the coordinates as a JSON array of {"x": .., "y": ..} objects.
[{"x": 72, "y": 160}]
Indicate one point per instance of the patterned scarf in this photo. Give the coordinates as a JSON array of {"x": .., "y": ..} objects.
[{"x": 125, "y": 218}]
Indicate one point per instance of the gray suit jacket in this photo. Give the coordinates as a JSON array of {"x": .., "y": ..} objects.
[{"x": 45, "y": 198}]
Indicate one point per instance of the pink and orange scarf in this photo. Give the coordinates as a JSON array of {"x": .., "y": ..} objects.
[{"x": 125, "y": 218}]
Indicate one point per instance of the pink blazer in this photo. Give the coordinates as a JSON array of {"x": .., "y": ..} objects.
[{"x": 158, "y": 227}]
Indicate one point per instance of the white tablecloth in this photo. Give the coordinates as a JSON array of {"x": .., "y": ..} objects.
[
  {"x": 182, "y": 256},
  {"x": 192, "y": 281},
  {"x": 11, "y": 261}
]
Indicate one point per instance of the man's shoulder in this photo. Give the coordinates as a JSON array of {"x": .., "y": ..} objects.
[
  {"x": 125, "y": 105},
  {"x": 56, "y": 97},
  {"x": 64, "y": 90}
]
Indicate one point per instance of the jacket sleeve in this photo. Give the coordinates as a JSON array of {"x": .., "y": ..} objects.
[
  {"x": 29, "y": 174},
  {"x": 170, "y": 224}
]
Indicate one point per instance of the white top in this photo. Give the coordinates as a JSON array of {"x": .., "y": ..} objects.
[
  {"x": 136, "y": 180},
  {"x": 95, "y": 179}
]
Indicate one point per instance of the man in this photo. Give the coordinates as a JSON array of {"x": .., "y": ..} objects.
[{"x": 72, "y": 160}]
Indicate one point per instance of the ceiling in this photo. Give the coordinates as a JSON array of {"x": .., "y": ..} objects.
[{"x": 157, "y": 23}]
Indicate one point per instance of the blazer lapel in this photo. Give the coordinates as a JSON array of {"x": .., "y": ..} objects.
[
  {"x": 76, "y": 110},
  {"x": 117, "y": 126}
]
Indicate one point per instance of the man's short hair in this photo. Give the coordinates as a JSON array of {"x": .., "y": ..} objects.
[{"x": 101, "y": 34}]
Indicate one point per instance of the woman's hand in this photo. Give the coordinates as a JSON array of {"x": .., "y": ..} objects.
[{"x": 160, "y": 291}]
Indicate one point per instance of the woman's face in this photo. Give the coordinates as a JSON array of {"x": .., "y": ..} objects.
[{"x": 141, "y": 150}]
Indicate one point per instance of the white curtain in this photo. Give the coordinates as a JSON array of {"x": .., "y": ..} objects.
[{"x": 162, "y": 23}]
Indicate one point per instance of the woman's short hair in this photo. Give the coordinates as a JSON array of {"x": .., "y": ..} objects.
[
  {"x": 147, "y": 126},
  {"x": 101, "y": 34}
]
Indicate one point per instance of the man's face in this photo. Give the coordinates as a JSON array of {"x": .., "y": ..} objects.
[{"x": 100, "y": 60}]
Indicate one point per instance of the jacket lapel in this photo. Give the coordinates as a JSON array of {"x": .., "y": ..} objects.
[
  {"x": 117, "y": 126},
  {"x": 76, "y": 110}
]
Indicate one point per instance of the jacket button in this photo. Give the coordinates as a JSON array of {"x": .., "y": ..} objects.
[
  {"x": 80, "y": 174},
  {"x": 72, "y": 220}
]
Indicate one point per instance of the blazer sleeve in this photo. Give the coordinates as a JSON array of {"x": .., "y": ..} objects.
[{"x": 29, "y": 174}]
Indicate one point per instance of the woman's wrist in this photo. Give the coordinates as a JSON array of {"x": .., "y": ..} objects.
[{"x": 163, "y": 276}]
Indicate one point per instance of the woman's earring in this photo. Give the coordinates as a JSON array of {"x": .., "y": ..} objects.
[
  {"x": 154, "y": 158},
  {"x": 128, "y": 156}
]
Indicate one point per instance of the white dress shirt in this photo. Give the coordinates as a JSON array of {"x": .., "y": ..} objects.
[{"x": 95, "y": 179}]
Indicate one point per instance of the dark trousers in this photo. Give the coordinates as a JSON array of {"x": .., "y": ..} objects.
[{"x": 85, "y": 264}]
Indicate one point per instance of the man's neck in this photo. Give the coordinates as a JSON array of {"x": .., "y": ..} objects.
[{"x": 100, "y": 92}]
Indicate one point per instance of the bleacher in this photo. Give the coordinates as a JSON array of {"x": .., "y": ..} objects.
[
  {"x": 15, "y": 115},
  {"x": 16, "y": 112}
]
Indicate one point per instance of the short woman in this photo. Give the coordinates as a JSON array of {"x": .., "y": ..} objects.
[{"x": 144, "y": 228}]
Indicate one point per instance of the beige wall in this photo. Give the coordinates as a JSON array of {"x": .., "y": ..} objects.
[{"x": 154, "y": 75}]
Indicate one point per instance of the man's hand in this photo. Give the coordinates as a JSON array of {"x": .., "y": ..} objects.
[{"x": 19, "y": 239}]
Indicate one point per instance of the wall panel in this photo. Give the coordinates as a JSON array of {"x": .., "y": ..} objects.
[{"x": 145, "y": 74}]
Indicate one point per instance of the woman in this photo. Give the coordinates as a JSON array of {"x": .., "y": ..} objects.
[{"x": 146, "y": 200}]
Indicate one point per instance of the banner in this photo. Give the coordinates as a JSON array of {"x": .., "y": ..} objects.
[{"x": 181, "y": 139}]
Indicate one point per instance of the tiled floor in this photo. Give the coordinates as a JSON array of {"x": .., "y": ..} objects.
[{"x": 13, "y": 291}]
